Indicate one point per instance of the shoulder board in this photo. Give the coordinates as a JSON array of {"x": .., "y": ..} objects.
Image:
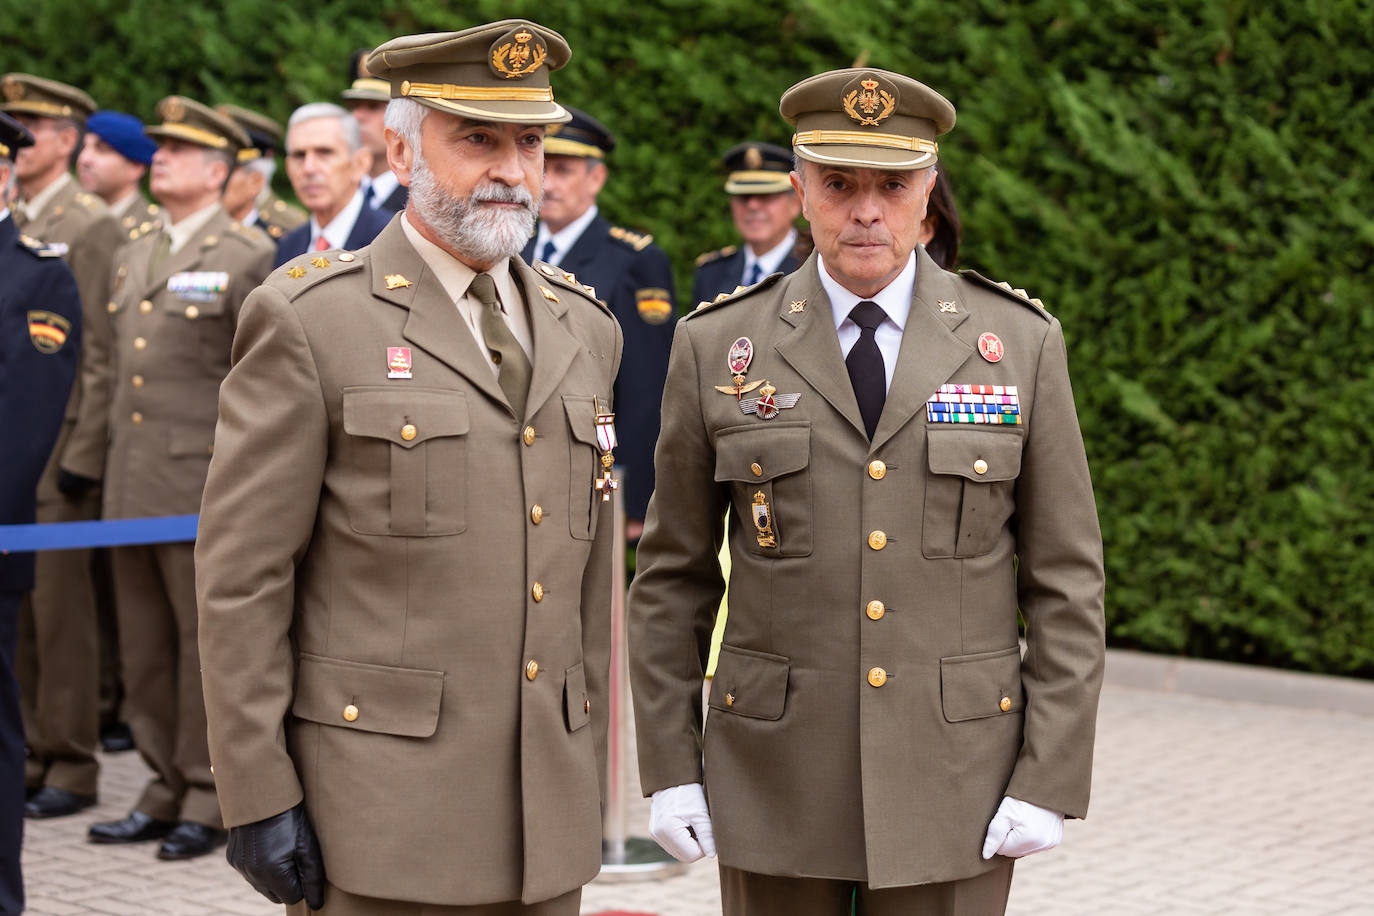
[
  {"x": 1006, "y": 289},
  {"x": 565, "y": 280},
  {"x": 249, "y": 235},
  {"x": 308, "y": 270},
  {"x": 635, "y": 240},
  {"x": 37, "y": 248},
  {"x": 740, "y": 293},
  {"x": 88, "y": 201},
  {"x": 708, "y": 257},
  {"x": 145, "y": 227}
]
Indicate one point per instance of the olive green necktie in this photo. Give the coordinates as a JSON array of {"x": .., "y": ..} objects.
[
  {"x": 161, "y": 249},
  {"x": 513, "y": 366}
]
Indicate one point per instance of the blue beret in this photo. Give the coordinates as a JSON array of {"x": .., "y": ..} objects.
[{"x": 123, "y": 132}]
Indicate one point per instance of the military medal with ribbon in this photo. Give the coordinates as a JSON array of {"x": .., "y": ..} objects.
[
  {"x": 605, "y": 438},
  {"x": 738, "y": 359}
]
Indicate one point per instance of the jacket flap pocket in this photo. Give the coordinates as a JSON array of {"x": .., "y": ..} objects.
[
  {"x": 404, "y": 416},
  {"x": 370, "y": 698},
  {"x": 981, "y": 685},
  {"x": 577, "y": 706},
  {"x": 190, "y": 441},
  {"x": 964, "y": 451},
  {"x": 581, "y": 410},
  {"x": 749, "y": 683},
  {"x": 756, "y": 453}
]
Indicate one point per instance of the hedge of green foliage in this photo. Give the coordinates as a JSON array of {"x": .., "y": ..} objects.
[{"x": 1186, "y": 185}]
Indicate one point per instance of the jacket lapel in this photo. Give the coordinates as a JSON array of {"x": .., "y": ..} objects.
[
  {"x": 188, "y": 257},
  {"x": 812, "y": 348},
  {"x": 554, "y": 347}
]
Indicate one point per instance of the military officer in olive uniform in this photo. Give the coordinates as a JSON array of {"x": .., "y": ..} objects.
[
  {"x": 630, "y": 274},
  {"x": 765, "y": 210},
  {"x": 249, "y": 197},
  {"x": 405, "y": 648},
  {"x": 174, "y": 313},
  {"x": 897, "y": 449},
  {"x": 58, "y": 642},
  {"x": 40, "y": 336}
]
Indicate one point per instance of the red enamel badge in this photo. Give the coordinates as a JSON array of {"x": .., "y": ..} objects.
[{"x": 990, "y": 346}]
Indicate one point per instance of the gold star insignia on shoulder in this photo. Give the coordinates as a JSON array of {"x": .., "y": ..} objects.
[
  {"x": 548, "y": 293},
  {"x": 396, "y": 281},
  {"x": 947, "y": 306},
  {"x": 798, "y": 306},
  {"x": 321, "y": 262},
  {"x": 295, "y": 273}
]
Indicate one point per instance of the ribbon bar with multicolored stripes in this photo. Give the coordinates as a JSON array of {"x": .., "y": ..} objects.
[{"x": 989, "y": 404}]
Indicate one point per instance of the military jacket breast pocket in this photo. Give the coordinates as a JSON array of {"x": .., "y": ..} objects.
[
  {"x": 769, "y": 473},
  {"x": 584, "y": 465},
  {"x": 409, "y": 459},
  {"x": 969, "y": 489},
  {"x": 197, "y": 321}
]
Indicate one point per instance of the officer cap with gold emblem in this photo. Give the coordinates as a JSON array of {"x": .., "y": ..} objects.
[
  {"x": 583, "y": 136},
  {"x": 866, "y": 118},
  {"x": 264, "y": 134},
  {"x": 757, "y": 168},
  {"x": 25, "y": 94},
  {"x": 13, "y": 137},
  {"x": 493, "y": 72},
  {"x": 363, "y": 86},
  {"x": 189, "y": 121}
]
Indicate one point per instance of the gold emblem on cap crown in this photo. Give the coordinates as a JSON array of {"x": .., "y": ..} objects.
[
  {"x": 753, "y": 159},
  {"x": 867, "y": 101},
  {"x": 14, "y": 90},
  {"x": 173, "y": 109},
  {"x": 518, "y": 53}
]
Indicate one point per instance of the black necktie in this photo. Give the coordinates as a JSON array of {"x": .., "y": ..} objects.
[
  {"x": 865, "y": 365},
  {"x": 755, "y": 274},
  {"x": 547, "y": 254}
]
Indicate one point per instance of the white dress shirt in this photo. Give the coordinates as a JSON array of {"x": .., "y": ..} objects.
[
  {"x": 770, "y": 260},
  {"x": 563, "y": 239},
  {"x": 337, "y": 232},
  {"x": 894, "y": 299}
]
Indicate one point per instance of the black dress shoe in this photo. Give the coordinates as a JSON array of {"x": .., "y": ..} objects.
[
  {"x": 189, "y": 840},
  {"x": 136, "y": 828},
  {"x": 116, "y": 737},
  {"x": 51, "y": 801}
]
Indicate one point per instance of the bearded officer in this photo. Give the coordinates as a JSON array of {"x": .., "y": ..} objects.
[
  {"x": 405, "y": 645},
  {"x": 898, "y": 452},
  {"x": 174, "y": 314}
]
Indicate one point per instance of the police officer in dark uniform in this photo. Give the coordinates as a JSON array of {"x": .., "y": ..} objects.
[
  {"x": 765, "y": 210},
  {"x": 40, "y": 331},
  {"x": 628, "y": 272}
]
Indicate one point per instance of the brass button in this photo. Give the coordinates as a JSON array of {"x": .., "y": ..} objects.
[
  {"x": 529, "y": 435},
  {"x": 531, "y": 669},
  {"x": 536, "y": 513},
  {"x": 137, "y": 381},
  {"x": 980, "y": 466},
  {"x": 408, "y": 431},
  {"x": 350, "y": 713},
  {"x": 877, "y": 540},
  {"x": 135, "y": 418},
  {"x": 192, "y": 312},
  {"x": 729, "y": 699},
  {"x": 877, "y": 676},
  {"x": 757, "y": 469},
  {"x": 112, "y": 308},
  {"x": 345, "y": 257},
  {"x": 1005, "y": 704},
  {"x": 877, "y": 470},
  {"x": 145, "y": 306},
  {"x": 876, "y": 609},
  {"x": 140, "y": 343},
  {"x": 587, "y": 707},
  {"x": 537, "y": 590}
]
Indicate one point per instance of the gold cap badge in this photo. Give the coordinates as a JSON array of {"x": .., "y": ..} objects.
[
  {"x": 14, "y": 90},
  {"x": 172, "y": 109},
  {"x": 518, "y": 53},
  {"x": 870, "y": 103},
  {"x": 753, "y": 159}
]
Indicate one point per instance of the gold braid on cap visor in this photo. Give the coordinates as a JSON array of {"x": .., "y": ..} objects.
[
  {"x": 890, "y": 141},
  {"x": 49, "y": 109},
  {"x": 194, "y": 135},
  {"x": 450, "y": 92}
]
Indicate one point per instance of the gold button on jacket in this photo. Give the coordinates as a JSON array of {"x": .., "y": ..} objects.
[
  {"x": 529, "y": 435},
  {"x": 408, "y": 432},
  {"x": 350, "y": 713},
  {"x": 877, "y": 540},
  {"x": 876, "y": 609},
  {"x": 877, "y": 469},
  {"x": 877, "y": 676}
]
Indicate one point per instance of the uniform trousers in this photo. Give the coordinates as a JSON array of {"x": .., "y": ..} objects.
[
  {"x": 58, "y": 657},
  {"x": 155, "y": 600},
  {"x": 11, "y": 763},
  {"x": 341, "y": 903},
  {"x": 746, "y": 893}
]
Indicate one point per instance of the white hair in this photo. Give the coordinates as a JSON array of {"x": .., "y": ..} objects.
[
  {"x": 265, "y": 166},
  {"x": 405, "y": 117},
  {"x": 352, "y": 133}
]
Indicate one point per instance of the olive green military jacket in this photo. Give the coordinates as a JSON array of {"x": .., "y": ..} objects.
[
  {"x": 870, "y": 707},
  {"x": 172, "y": 329},
  {"x": 82, "y": 228},
  {"x": 404, "y": 588}
]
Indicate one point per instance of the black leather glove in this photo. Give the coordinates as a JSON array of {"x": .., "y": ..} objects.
[
  {"x": 280, "y": 857},
  {"x": 74, "y": 484}
]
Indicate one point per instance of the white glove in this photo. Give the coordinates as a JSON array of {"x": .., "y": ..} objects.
[
  {"x": 681, "y": 823},
  {"x": 1020, "y": 828}
]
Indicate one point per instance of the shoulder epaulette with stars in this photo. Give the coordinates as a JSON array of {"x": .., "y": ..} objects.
[
  {"x": 249, "y": 234},
  {"x": 37, "y": 248},
  {"x": 708, "y": 257},
  {"x": 145, "y": 227},
  {"x": 635, "y": 240},
  {"x": 568, "y": 281},
  {"x": 307, "y": 270},
  {"x": 740, "y": 293},
  {"x": 1006, "y": 289}
]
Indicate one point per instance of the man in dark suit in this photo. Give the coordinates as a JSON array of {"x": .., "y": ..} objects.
[
  {"x": 629, "y": 273},
  {"x": 327, "y": 163},
  {"x": 40, "y": 329},
  {"x": 765, "y": 209}
]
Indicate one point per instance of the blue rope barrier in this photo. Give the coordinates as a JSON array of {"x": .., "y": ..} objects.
[{"x": 121, "y": 532}]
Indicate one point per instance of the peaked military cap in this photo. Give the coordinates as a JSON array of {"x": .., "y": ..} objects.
[
  {"x": 493, "y": 72},
  {"x": 363, "y": 86},
  {"x": 13, "y": 137},
  {"x": 190, "y": 121},
  {"x": 757, "y": 168},
  {"x": 264, "y": 134},
  {"x": 25, "y": 94},
  {"x": 583, "y": 136},
  {"x": 124, "y": 134},
  {"x": 866, "y": 118}
]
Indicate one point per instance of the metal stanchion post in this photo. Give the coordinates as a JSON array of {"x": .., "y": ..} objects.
[{"x": 623, "y": 857}]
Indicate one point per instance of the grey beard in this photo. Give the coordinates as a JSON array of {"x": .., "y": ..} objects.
[{"x": 478, "y": 233}]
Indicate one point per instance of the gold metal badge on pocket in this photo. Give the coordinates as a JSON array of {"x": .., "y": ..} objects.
[{"x": 763, "y": 520}]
